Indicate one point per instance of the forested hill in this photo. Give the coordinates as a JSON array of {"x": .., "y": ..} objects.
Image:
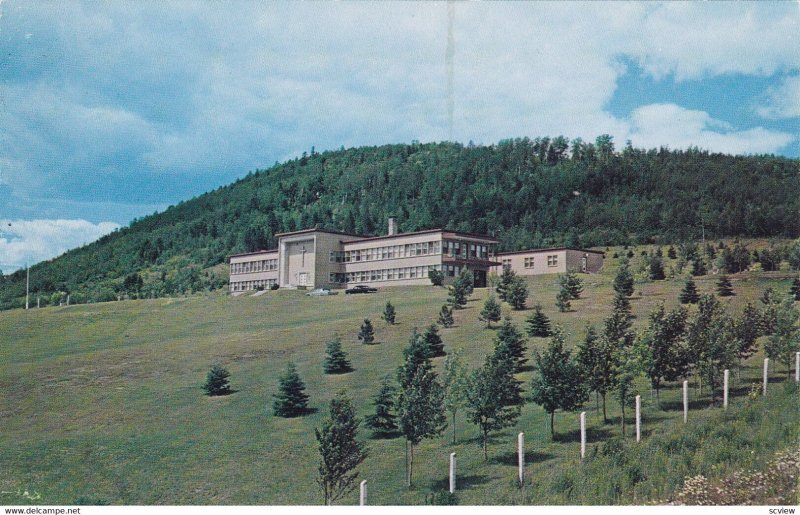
[{"x": 527, "y": 193}]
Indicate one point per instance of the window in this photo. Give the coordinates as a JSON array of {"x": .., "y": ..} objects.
[
  {"x": 529, "y": 262},
  {"x": 506, "y": 263},
  {"x": 552, "y": 260}
]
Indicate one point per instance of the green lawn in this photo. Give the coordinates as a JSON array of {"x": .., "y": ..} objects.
[{"x": 103, "y": 401}]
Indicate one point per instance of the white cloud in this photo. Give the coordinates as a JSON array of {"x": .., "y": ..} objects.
[
  {"x": 31, "y": 241},
  {"x": 782, "y": 101},
  {"x": 671, "y": 125}
]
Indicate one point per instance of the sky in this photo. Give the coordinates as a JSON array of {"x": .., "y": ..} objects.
[{"x": 115, "y": 110}]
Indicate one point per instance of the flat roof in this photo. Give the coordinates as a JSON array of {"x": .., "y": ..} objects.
[
  {"x": 481, "y": 237},
  {"x": 551, "y": 249},
  {"x": 253, "y": 253},
  {"x": 316, "y": 230}
]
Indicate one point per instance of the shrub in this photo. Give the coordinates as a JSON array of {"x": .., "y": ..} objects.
[{"x": 217, "y": 381}]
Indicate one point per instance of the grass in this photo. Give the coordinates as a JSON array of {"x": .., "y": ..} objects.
[{"x": 104, "y": 402}]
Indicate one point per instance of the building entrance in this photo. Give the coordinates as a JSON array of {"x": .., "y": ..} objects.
[{"x": 480, "y": 278}]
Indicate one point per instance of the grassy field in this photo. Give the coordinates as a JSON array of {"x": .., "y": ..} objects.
[{"x": 102, "y": 402}]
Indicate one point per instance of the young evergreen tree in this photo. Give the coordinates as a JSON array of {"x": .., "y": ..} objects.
[
  {"x": 558, "y": 383},
  {"x": 415, "y": 355},
  {"x": 446, "y": 316},
  {"x": 661, "y": 347},
  {"x": 785, "y": 340},
  {"x": 571, "y": 283},
  {"x": 490, "y": 312},
  {"x": 507, "y": 278},
  {"x": 367, "y": 333},
  {"x": 340, "y": 452},
  {"x": 794, "y": 290},
  {"x": 493, "y": 397},
  {"x": 689, "y": 293},
  {"x": 562, "y": 300},
  {"x": 517, "y": 293},
  {"x": 389, "y": 313},
  {"x": 456, "y": 383},
  {"x": 217, "y": 382},
  {"x": 433, "y": 341},
  {"x": 724, "y": 286},
  {"x": 699, "y": 267},
  {"x": 538, "y": 323},
  {"x": 509, "y": 341},
  {"x": 657, "y": 268},
  {"x": 291, "y": 399},
  {"x": 436, "y": 277},
  {"x": 671, "y": 253},
  {"x": 459, "y": 290},
  {"x": 384, "y": 421},
  {"x": 623, "y": 281},
  {"x": 336, "y": 361}
]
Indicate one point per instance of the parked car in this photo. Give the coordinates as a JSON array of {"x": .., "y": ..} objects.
[
  {"x": 320, "y": 292},
  {"x": 361, "y": 288}
]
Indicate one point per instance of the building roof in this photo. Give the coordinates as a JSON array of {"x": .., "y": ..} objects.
[
  {"x": 482, "y": 237},
  {"x": 303, "y": 231},
  {"x": 551, "y": 249},
  {"x": 252, "y": 253}
]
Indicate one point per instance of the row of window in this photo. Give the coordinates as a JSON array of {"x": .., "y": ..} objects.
[
  {"x": 387, "y": 274},
  {"x": 450, "y": 248},
  {"x": 263, "y": 284},
  {"x": 264, "y": 265},
  {"x": 528, "y": 262}
]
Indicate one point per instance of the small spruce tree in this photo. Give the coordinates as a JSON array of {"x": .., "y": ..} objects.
[
  {"x": 507, "y": 277},
  {"x": 689, "y": 293},
  {"x": 446, "y": 316},
  {"x": 623, "y": 282},
  {"x": 724, "y": 286},
  {"x": 572, "y": 284},
  {"x": 336, "y": 361},
  {"x": 510, "y": 341},
  {"x": 657, "y": 269},
  {"x": 433, "y": 341},
  {"x": 384, "y": 421},
  {"x": 389, "y": 313},
  {"x": 367, "y": 332},
  {"x": 517, "y": 293},
  {"x": 291, "y": 399},
  {"x": 699, "y": 267},
  {"x": 671, "y": 253},
  {"x": 217, "y": 382},
  {"x": 538, "y": 323},
  {"x": 562, "y": 300},
  {"x": 490, "y": 312}
]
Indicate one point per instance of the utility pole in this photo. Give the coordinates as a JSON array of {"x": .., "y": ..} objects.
[{"x": 27, "y": 284}]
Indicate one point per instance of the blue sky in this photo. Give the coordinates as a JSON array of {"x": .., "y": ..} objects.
[{"x": 110, "y": 111}]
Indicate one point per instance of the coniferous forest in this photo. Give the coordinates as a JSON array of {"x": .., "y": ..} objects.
[{"x": 526, "y": 193}]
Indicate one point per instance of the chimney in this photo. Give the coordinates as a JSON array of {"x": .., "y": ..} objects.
[{"x": 392, "y": 226}]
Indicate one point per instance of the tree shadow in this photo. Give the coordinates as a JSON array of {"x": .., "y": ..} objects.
[
  {"x": 340, "y": 372},
  {"x": 391, "y": 435},
  {"x": 462, "y": 482},
  {"x": 511, "y": 458},
  {"x": 694, "y": 404},
  {"x": 593, "y": 435},
  {"x": 222, "y": 394}
]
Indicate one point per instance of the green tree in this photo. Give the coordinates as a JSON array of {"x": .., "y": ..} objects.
[
  {"x": 626, "y": 369},
  {"x": 562, "y": 300},
  {"x": 589, "y": 360},
  {"x": 662, "y": 347},
  {"x": 458, "y": 292},
  {"x": 711, "y": 341},
  {"x": 769, "y": 314},
  {"x": 436, "y": 277},
  {"x": 785, "y": 340},
  {"x": 491, "y": 311},
  {"x": 367, "y": 333},
  {"x": 507, "y": 278},
  {"x": 538, "y": 323},
  {"x": 446, "y": 316},
  {"x": 699, "y": 267},
  {"x": 623, "y": 281},
  {"x": 217, "y": 382},
  {"x": 724, "y": 286},
  {"x": 384, "y": 421},
  {"x": 747, "y": 329},
  {"x": 420, "y": 409},
  {"x": 291, "y": 399},
  {"x": 689, "y": 293},
  {"x": 340, "y": 452},
  {"x": 455, "y": 381},
  {"x": 433, "y": 341},
  {"x": 336, "y": 361},
  {"x": 493, "y": 397},
  {"x": 389, "y": 313},
  {"x": 656, "y": 268},
  {"x": 509, "y": 341},
  {"x": 794, "y": 290},
  {"x": 517, "y": 293},
  {"x": 571, "y": 283},
  {"x": 557, "y": 383},
  {"x": 416, "y": 354}
]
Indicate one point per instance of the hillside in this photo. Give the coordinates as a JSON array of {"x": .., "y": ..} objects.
[
  {"x": 527, "y": 193},
  {"x": 103, "y": 402}
]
